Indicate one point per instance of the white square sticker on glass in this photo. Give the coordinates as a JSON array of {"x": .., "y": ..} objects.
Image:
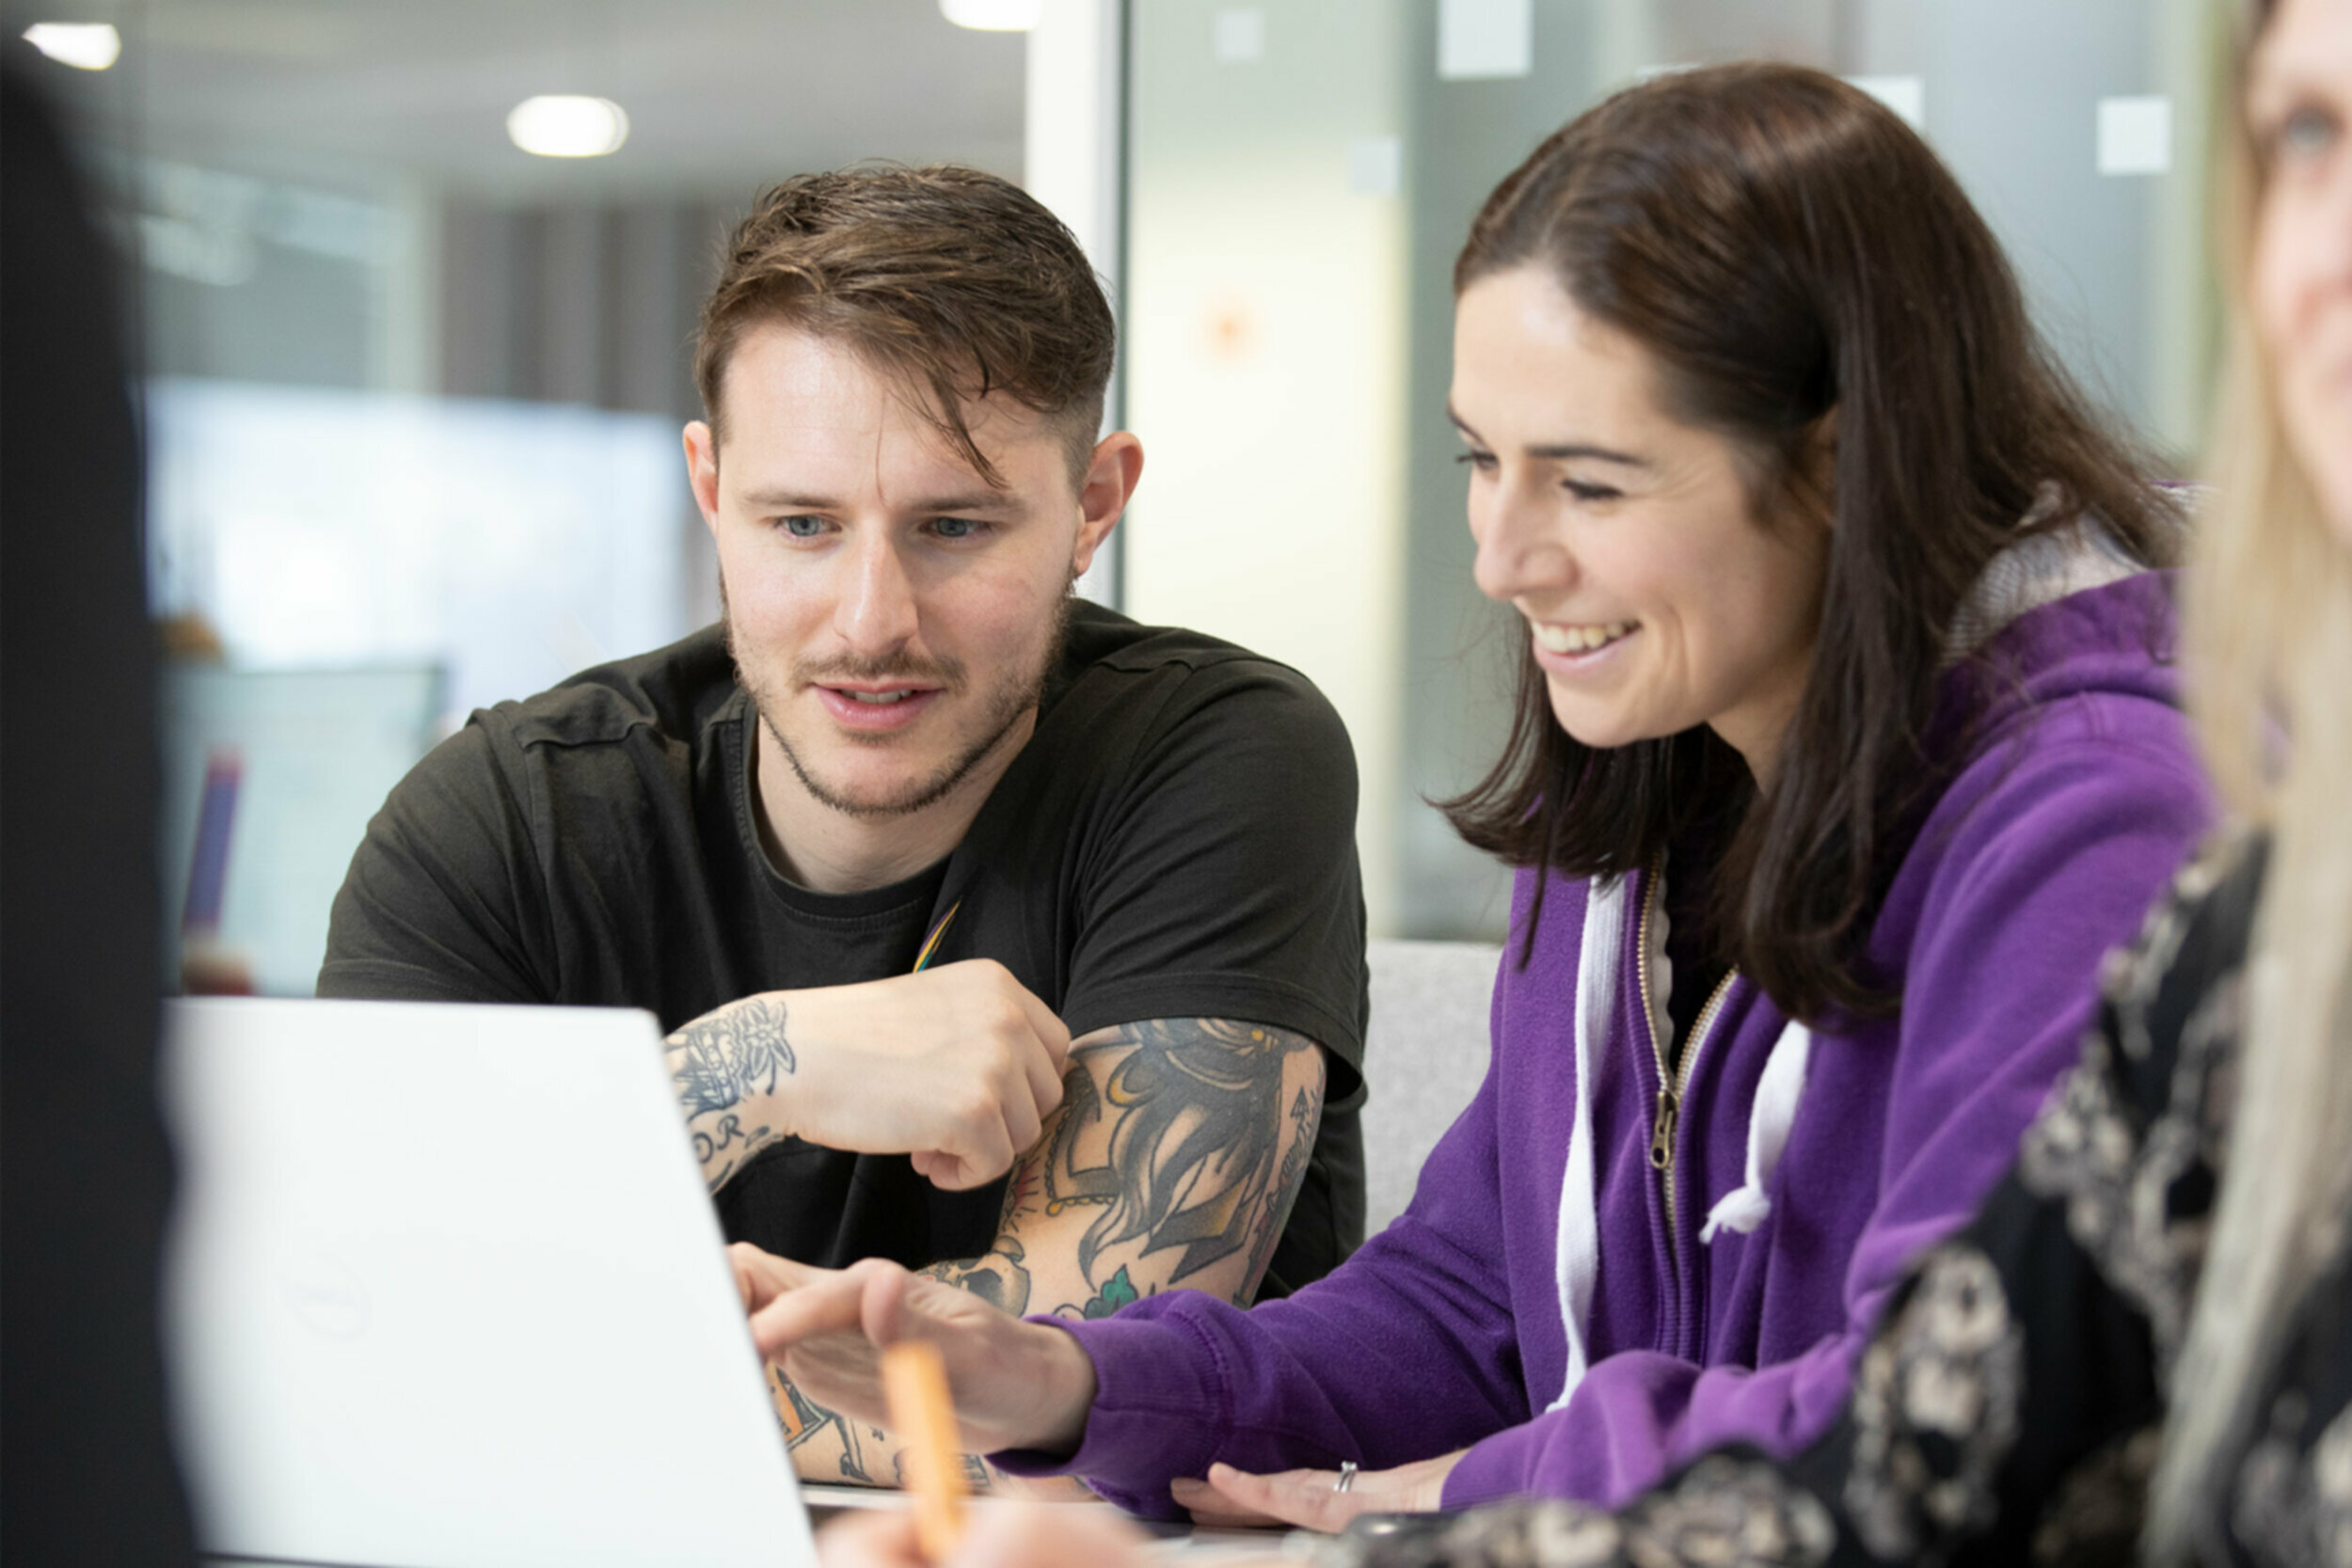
[
  {"x": 1237, "y": 37},
  {"x": 1906, "y": 95},
  {"x": 2134, "y": 135},
  {"x": 1484, "y": 40}
]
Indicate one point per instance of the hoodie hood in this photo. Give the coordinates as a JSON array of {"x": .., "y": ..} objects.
[{"x": 2064, "y": 616}]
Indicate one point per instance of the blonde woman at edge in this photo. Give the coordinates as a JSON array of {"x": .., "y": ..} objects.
[{"x": 2052, "y": 1384}]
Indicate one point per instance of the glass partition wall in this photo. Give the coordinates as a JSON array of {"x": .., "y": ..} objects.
[
  {"x": 413, "y": 393},
  {"x": 1301, "y": 174}
]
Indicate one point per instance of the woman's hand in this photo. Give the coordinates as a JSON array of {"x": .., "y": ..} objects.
[
  {"x": 1309, "y": 1498},
  {"x": 1016, "y": 1384}
]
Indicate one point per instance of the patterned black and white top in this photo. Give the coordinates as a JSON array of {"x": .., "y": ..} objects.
[{"x": 2010, "y": 1409}]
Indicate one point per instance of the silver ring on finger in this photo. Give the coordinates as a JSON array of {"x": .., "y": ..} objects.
[{"x": 1347, "y": 1475}]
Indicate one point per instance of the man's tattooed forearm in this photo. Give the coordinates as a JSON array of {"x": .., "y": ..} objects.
[
  {"x": 1116, "y": 1291},
  {"x": 805, "y": 1421},
  {"x": 1193, "y": 1111},
  {"x": 716, "y": 1063},
  {"x": 709, "y": 1145},
  {"x": 998, "y": 1277},
  {"x": 1306, "y": 1116},
  {"x": 976, "y": 1474},
  {"x": 722, "y": 1057}
]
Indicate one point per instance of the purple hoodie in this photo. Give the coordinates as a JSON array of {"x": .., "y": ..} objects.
[{"x": 2079, "y": 793}]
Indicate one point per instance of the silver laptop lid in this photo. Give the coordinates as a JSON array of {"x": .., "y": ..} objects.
[{"x": 445, "y": 1288}]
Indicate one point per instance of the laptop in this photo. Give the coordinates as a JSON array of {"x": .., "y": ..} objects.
[{"x": 444, "y": 1288}]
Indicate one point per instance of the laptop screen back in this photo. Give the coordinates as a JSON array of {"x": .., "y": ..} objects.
[{"x": 445, "y": 1288}]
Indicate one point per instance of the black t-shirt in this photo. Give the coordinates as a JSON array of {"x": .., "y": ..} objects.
[{"x": 1175, "y": 841}]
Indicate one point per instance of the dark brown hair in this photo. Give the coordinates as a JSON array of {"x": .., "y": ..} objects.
[
  {"x": 956, "y": 281},
  {"x": 1786, "y": 248}
]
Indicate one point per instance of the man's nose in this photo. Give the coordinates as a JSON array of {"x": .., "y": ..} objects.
[{"x": 876, "y": 612}]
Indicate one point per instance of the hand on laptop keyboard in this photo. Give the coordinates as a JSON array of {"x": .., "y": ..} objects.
[{"x": 1016, "y": 1384}]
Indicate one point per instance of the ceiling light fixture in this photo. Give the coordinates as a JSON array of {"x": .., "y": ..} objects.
[
  {"x": 563, "y": 126},
  {"x": 993, "y": 16},
  {"x": 84, "y": 46}
]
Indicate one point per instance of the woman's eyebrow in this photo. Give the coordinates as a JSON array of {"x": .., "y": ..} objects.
[{"x": 1585, "y": 450}]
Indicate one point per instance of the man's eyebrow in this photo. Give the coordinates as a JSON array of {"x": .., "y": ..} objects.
[
  {"x": 803, "y": 501},
  {"x": 971, "y": 500},
  {"x": 787, "y": 501},
  {"x": 1571, "y": 451}
]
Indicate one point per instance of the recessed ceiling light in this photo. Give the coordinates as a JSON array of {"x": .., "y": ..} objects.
[
  {"x": 84, "y": 46},
  {"x": 993, "y": 16},
  {"x": 563, "y": 126}
]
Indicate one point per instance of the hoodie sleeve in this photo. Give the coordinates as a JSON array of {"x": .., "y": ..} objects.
[
  {"x": 1185, "y": 1378},
  {"x": 2046, "y": 853}
]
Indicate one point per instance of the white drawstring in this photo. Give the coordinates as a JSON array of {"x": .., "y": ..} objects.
[
  {"x": 1769, "y": 1117},
  {"x": 1577, "y": 1252}
]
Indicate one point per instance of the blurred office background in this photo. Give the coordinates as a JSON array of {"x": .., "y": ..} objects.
[{"x": 413, "y": 393}]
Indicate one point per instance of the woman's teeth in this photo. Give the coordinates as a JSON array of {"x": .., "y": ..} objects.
[{"x": 1580, "y": 640}]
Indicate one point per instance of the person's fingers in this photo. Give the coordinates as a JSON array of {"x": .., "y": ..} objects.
[
  {"x": 883, "y": 1312},
  {"x": 1023, "y": 1122},
  {"x": 1263, "y": 1498},
  {"x": 988, "y": 1155},
  {"x": 761, "y": 1276},
  {"x": 1048, "y": 1084},
  {"x": 829, "y": 1303},
  {"x": 878, "y": 1538},
  {"x": 1040, "y": 1041},
  {"x": 1208, "y": 1506},
  {"x": 751, "y": 1280},
  {"x": 1306, "y": 1499},
  {"x": 1050, "y": 1033}
]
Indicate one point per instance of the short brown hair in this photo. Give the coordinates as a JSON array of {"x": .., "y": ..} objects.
[{"x": 958, "y": 281}]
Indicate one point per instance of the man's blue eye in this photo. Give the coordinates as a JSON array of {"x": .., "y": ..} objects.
[
  {"x": 955, "y": 527},
  {"x": 803, "y": 528}
]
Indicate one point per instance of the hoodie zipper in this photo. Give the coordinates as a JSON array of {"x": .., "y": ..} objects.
[{"x": 1671, "y": 1083}]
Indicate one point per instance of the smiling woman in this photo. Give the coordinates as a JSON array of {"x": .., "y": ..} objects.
[
  {"x": 1657, "y": 599},
  {"x": 1769, "y": 312}
]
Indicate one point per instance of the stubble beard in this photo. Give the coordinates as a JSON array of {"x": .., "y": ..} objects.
[{"x": 1007, "y": 704}]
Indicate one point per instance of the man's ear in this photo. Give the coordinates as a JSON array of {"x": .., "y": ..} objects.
[
  {"x": 1110, "y": 480},
  {"x": 702, "y": 471}
]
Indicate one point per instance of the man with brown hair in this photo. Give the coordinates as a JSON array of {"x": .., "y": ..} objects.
[{"x": 996, "y": 933}]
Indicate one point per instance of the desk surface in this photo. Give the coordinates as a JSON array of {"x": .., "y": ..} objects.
[
  {"x": 1194, "y": 1545},
  {"x": 1193, "y": 1542}
]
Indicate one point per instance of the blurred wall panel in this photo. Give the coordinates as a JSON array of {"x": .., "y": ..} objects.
[
  {"x": 581, "y": 304},
  {"x": 1266, "y": 353}
]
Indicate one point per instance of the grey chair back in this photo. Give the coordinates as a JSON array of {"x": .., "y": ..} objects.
[{"x": 1424, "y": 1056}]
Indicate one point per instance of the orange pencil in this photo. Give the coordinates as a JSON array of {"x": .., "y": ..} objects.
[{"x": 914, "y": 1384}]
